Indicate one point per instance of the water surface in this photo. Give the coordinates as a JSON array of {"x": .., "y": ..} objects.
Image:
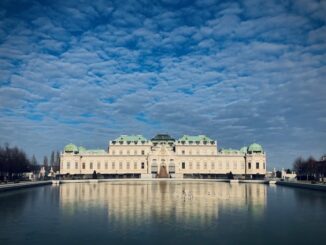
[{"x": 162, "y": 213}]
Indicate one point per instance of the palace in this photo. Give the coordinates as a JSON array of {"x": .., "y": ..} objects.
[{"x": 133, "y": 156}]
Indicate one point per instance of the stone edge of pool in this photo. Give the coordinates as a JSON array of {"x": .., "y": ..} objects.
[{"x": 318, "y": 187}]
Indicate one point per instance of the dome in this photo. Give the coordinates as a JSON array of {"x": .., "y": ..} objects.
[
  {"x": 244, "y": 149},
  {"x": 81, "y": 149},
  {"x": 71, "y": 148},
  {"x": 255, "y": 148}
]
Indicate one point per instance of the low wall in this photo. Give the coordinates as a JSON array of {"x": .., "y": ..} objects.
[
  {"x": 6, "y": 187},
  {"x": 317, "y": 187}
]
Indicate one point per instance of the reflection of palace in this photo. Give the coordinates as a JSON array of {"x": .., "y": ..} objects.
[
  {"x": 128, "y": 201},
  {"x": 163, "y": 156}
]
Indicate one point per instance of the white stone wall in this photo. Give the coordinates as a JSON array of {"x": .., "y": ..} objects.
[{"x": 129, "y": 158}]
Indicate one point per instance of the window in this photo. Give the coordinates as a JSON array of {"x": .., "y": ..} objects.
[
  {"x": 68, "y": 165},
  {"x": 142, "y": 165},
  {"x": 171, "y": 167},
  {"x": 249, "y": 165},
  {"x": 257, "y": 165},
  {"x": 213, "y": 165},
  {"x": 143, "y": 152},
  {"x": 197, "y": 152},
  {"x": 190, "y": 152},
  {"x": 113, "y": 165},
  {"x": 190, "y": 165},
  {"x": 113, "y": 152},
  {"x": 120, "y": 152},
  {"x": 135, "y": 152},
  {"x": 83, "y": 165},
  {"x": 98, "y": 165},
  {"x": 220, "y": 165},
  {"x": 205, "y": 165},
  {"x": 128, "y": 152},
  {"x": 135, "y": 165},
  {"x": 106, "y": 165},
  {"x": 264, "y": 166},
  {"x": 120, "y": 165},
  {"x": 91, "y": 165},
  {"x": 183, "y": 152},
  {"x": 198, "y": 165},
  {"x": 242, "y": 165},
  {"x": 128, "y": 165},
  {"x": 76, "y": 165},
  {"x": 154, "y": 167},
  {"x": 183, "y": 165}
]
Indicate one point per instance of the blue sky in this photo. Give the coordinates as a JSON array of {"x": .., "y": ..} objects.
[{"x": 238, "y": 71}]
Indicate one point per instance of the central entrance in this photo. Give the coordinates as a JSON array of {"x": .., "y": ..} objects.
[{"x": 163, "y": 173}]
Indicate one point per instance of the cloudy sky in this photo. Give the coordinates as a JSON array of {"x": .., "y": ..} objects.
[{"x": 238, "y": 71}]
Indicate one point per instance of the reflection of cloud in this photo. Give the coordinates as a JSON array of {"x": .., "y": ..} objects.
[
  {"x": 135, "y": 202},
  {"x": 187, "y": 68}
]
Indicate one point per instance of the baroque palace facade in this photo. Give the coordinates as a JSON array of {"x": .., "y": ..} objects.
[{"x": 164, "y": 157}]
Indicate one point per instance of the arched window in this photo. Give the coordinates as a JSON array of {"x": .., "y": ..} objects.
[
  {"x": 183, "y": 165},
  {"x": 257, "y": 165},
  {"x": 249, "y": 165},
  {"x": 142, "y": 165},
  {"x": 154, "y": 167},
  {"x": 171, "y": 166},
  {"x": 83, "y": 165}
]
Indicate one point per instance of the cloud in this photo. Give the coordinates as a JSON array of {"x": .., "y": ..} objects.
[{"x": 239, "y": 71}]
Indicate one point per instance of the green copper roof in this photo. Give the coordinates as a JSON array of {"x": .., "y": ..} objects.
[
  {"x": 70, "y": 148},
  {"x": 162, "y": 137},
  {"x": 131, "y": 138},
  {"x": 229, "y": 151},
  {"x": 255, "y": 148},
  {"x": 244, "y": 149},
  {"x": 95, "y": 151},
  {"x": 81, "y": 149},
  {"x": 195, "y": 138}
]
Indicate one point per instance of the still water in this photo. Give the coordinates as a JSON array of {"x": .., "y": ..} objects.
[{"x": 162, "y": 213}]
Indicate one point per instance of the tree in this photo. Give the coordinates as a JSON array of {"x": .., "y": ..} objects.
[
  {"x": 52, "y": 161},
  {"x": 46, "y": 163},
  {"x": 13, "y": 162},
  {"x": 56, "y": 166},
  {"x": 34, "y": 161},
  {"x": 94, "y": 175},
  {"x": 230, "y": 175}
]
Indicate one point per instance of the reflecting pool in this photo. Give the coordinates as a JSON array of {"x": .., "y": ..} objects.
[{"x": 161, "y": 212}]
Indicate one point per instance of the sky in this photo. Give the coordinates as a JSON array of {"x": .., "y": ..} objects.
[{"x": 238, "y": 71}]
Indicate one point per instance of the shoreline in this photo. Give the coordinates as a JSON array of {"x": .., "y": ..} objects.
[
  {"x": 302, "y": 185},
  {"x": 15, "y": 186}
]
